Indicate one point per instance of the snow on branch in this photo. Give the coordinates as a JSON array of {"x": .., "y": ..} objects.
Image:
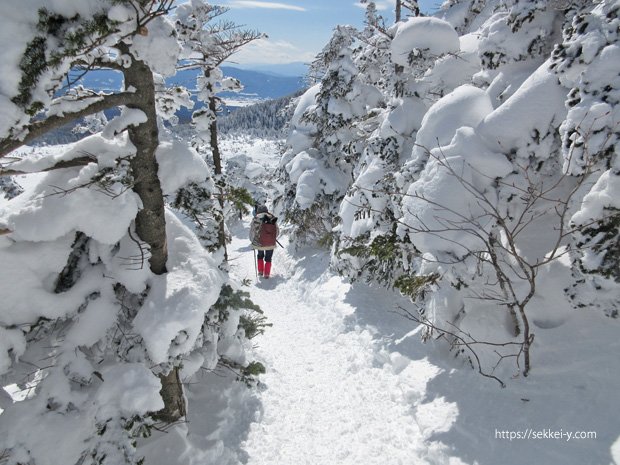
[{"x": 39, "y": 128}]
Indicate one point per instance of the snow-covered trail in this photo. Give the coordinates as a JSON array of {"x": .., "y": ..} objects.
[
  {"x": 348, "y": 382},
  {"x": 332, "y": 395}
]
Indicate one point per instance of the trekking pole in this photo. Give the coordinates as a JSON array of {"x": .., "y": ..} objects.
[
  {"x": 255, "y": 265},
  {"x": 279, "y": 243}
]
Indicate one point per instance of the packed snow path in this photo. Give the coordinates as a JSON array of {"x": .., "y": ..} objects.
[
  {"x": 329, "y": 397},
  {"x": 348, "y": 382}
]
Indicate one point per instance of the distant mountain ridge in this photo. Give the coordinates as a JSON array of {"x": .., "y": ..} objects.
[
  {"x": 294, "y": 69},
  {"x": 258, "y": 85}
]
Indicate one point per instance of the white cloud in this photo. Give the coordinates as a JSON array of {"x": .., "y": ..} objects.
[
  {"x": 265, "y": 51},
  {"x": 258, "y": 4},
  {"x": 381, "y": 5}
]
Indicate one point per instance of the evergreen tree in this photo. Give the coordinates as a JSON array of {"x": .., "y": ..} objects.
[
  {"x": 478, "y": 143},
  {"x": 323, "y": 165},
  {"x": 114, "y": 307},
  {"x": 590, "y": 143},
  {"x": 264, "y": 120}
]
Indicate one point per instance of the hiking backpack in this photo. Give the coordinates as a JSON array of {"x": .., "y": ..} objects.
[{"x": 265, "y": 231}]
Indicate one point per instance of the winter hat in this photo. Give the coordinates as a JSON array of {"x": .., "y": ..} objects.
[{"x": 262, "y": 209}]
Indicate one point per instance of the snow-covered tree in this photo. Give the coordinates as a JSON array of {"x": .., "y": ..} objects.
[
  {"x": 410, "y": 6},
  {"x": 425, "y": 68},
  {"x": 466, "y": 15},
  {"x": 473, "y": 181},
  {"x": 109, "y": 300},
  {"x": 264, "y": 120},
  {"x": 324, "y": 145},
  {"x": 209, "y": 44},
  {"x": 485, "y": 175},
  {"x": 365, "y": 243},
  {"x": 591, "y": 141}
]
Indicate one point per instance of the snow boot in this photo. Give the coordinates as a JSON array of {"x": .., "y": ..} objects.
[
  {"x": 261, "y": 266},
  {"x": 267, "y": 270}
]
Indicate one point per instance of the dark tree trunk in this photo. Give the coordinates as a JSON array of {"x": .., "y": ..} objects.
[
  {"x": 215, "y": 148},
  {"x": 150, "y": 221},
  {"x": 172, "y": 395}
]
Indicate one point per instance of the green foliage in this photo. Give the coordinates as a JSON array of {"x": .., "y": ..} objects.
[
  {"x": 326, "y": 241},
  {"x": 253, "y": 321},
  {"x": 138, "y": 426},
  {"x": 603, "y": 239},
  {"x": 415, "y": 286},
  {"x": 190, "y": 199},
  {"x": 202, "y": 206},
  {"x": 74, "y": 36},
  {"x": 199, "y": 204},
  {"x": 232, "y": 299},
  {"x": 254, "y": 324},
  {"x": 117, "y": 440},
  {"x": 246, "y": 374},
  {"x": 254, "y": 369},
  {"x": 383, "y": 256},
  {"x": 32, "y": 64},
  {"x": 310, "y": 223},
  {"x": 240, "y": 198}
]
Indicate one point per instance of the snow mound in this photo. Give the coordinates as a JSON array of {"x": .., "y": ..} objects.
[
  {"x": 432, "y": 34},
  {"x": 64, "y": 212},
  {"x": 532, "y": 110},
  {"x": 254, "y": 170},
  {"x": 440, "y": 199},
  {"x": 311, "y": 178},
  {"x": 131, "y": 389},
  {"x": 405, "y": 118},
  {"x": 465, "y": 106},
  {"x": 178, "y": 165},
  {"x": 159, "y": 47},
  {"x": 300, "y": 137},
  {"x": 172, "y": 316}
]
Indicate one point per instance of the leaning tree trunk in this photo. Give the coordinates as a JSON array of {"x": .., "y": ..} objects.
[{"x": 150, "y": 221}]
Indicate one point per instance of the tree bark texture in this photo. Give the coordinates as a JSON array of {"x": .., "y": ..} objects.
[
  {"x": 215, "y": 148},
  {"x": 150, "y": 221},
  {"x": 172, "y": 395}
]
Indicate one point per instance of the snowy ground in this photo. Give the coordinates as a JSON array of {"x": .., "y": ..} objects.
[
  {"x": 340, "y": 389},
  {"x": 347, "y": 383},
  {"x": 331, "y": 396}
]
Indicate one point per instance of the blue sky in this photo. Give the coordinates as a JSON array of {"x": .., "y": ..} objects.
[{"x": 298, "y": 29}]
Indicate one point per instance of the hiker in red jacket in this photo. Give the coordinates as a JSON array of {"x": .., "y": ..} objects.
[{"x": 263, "y": 234}]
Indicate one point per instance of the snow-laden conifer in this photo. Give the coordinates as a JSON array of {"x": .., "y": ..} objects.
[
  {"x": 490, "y": 161},
  {"x": 109, "y": 300}
]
